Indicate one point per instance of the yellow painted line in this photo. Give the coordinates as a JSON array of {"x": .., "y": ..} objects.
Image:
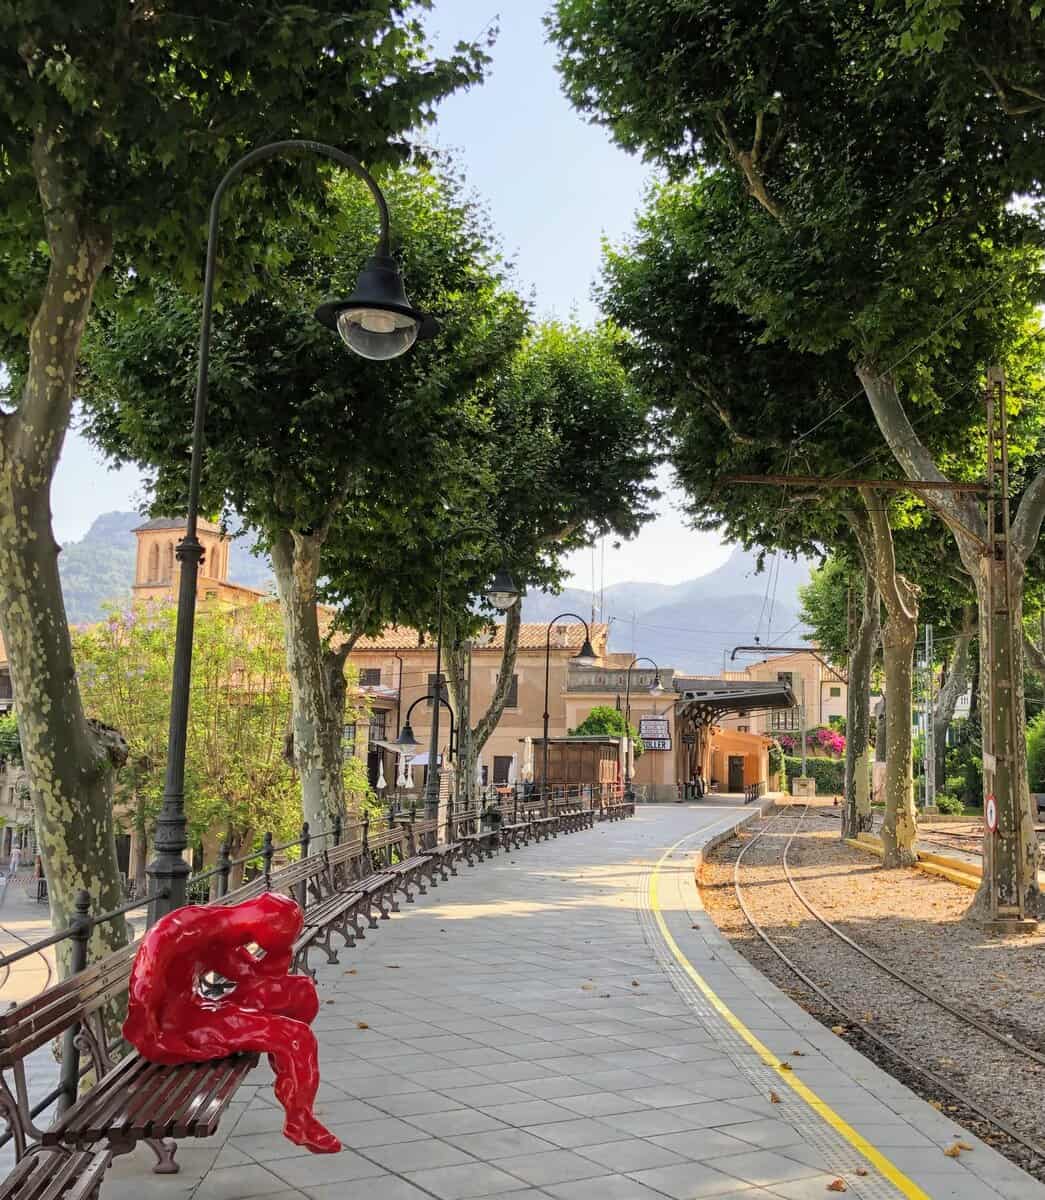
[
  {"x": 955, "y": 870},
  {"x": 859, "y": 1143}
]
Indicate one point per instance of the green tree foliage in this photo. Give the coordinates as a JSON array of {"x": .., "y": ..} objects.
[
  {"x": 116, "y": 124},
  {"x": 826, "y": 600},
  {"x": 312, "y": 447},
  {"x": 604, "y": 721},
  {"x": 861, "y": 205},
  {"x": 10, "y": 743},
  {"x": 1036, "y": 753}
]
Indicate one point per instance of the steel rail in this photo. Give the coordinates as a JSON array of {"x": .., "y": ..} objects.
[
  {"x": 933, "y": 997},
  {"x": 853, "y": 1020}
]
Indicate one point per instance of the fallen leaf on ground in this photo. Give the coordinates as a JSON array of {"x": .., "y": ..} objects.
[
  {"x": 837, "y": 1185},
  {"x": 696, "y": 926},
  {"x": 953, "y": 1151},
  {"x": 860, "y": 1171},
  {"x": 330, "y": 1002},
  {"x": 351, "y": 971},
  {"x": 774, "y": 1098},
  {"x": 634, "y": 983},
  {"x": 587, "y": 987},
  {"x": 362, "y": 1025},
  {"x": 786, "y": 1066},
  {"x": 963, "y": 1145},
  {"x": 392, "y": 966},
  {"x": 838, "y": 1029},
  {"x": 798, "y": 1053}
]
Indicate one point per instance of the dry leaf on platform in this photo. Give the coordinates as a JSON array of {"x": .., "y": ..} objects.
[
  {"x": 587, "y": 987},
  {"x": 953, "y": 1151},
  {"x": 362, "y": 1025},
  {"x": 860, "y": 1171},
  {"x": 839, "y": 1029},
  {"x": 963, "y": 1145},
  {"x": 774, "y": 1098},
  {"x": 786, "y": 1066},
  {"x": 837, "y": 1185}
]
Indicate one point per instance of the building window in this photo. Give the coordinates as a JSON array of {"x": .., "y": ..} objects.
[
  {"x": 170, "y": 561},
  {"x": 787, "y": 677},
  {"x": 377, "y": 726},
  {"x": 513, "y": 693},
  {"x": 370, "y": 677},
  {"x": 784, "y": 719},
  {"x": 742, "y": 729},
  {"x": 348, "y": 739},
  {"x": 835, "y": 693},
  {"x": 502, "y": 764},
  {"x": 6, "y": 690},
  {"x": 154, "y": 562},
  {"x": 444, "y": 691}
]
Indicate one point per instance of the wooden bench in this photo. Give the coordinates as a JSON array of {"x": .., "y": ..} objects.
[
  {"x": 476, "y": 843},
  {"x": 132, "y": 1101}
]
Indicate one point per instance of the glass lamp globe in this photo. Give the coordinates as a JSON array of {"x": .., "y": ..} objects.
[
  {"x": 587, "y": 657},
  {"x": 376, "y": 333},
  {"x": 657, "y": 688}
]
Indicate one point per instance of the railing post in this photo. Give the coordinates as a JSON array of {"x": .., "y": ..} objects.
[
  {"x": 224, "y": 869},
  {"x": 337, "y": 829},
  {"x": 81, "y": 926},
  {"x": 306, "y": 842},
  {"x": 267, "y": 854},
  {"x": 366, "y": 833}
]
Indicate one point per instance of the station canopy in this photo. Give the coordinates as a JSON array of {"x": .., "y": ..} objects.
[{"x": 704, "y": 701}]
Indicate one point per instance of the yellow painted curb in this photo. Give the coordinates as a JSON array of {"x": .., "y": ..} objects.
[
  {"x": 787, "y": 1076},
  {"x": 957, "y": 870}
]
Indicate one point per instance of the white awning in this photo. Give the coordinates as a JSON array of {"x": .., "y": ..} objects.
[{"x": 421, "y": 760}]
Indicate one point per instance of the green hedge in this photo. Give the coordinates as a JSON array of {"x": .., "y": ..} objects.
[{"x": 829, "y": 773}]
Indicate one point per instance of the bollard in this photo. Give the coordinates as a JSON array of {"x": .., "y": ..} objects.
[
  {"x": 267, "y": 853},
  {"x": 81, "y": 926},
  {"x": 306, "y": 841},
  {"x": 224, "y": 869}
]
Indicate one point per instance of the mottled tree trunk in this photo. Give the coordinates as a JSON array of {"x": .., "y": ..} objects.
[
  {"x": 69, "y": 761},
  {"x": 1010, "y": 858},
  {"x": 474, "y": 738},
  {"x": 899, "y": 634},
  {"x": 863, "y": 645},
  {"x": 317, "y": 712},
  {"x": 955, "y": 681}
]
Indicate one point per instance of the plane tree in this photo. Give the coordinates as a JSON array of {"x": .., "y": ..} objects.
[
  {"x": 867, "y": 212},
  {"x": 735, "y": 401},
  {"x": 308, "y": 444},
  {"x": 117, "y": 121}
]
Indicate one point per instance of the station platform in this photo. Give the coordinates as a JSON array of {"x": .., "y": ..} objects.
[{"x": 565, "y": 1022}]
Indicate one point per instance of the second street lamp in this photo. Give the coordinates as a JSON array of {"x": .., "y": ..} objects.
[
  {"x": 586, "y": 658},
  {"x": 656, "y": 689},
  {"x": 376, "y": 321}
]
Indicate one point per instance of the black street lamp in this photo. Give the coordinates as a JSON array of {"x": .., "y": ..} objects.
[
  {"x": 656, "y": 689},
  {"x": 502, "y": 594},
  {"x": 586, "y": 658},
  {"x": 377, "y": 322},
  {"x": 407, "y": 743}
]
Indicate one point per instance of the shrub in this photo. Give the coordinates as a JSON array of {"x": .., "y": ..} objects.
[
  {"x": 1036, "y": 753},
  {"x": 776, "y": 760},
  {"x": 829, "y": 774},
  {"x": 951, "y": 805},
  {"x": 954, "y": 785}
]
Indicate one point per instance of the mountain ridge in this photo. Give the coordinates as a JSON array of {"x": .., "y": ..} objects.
[{"x": 690, "y": 626}]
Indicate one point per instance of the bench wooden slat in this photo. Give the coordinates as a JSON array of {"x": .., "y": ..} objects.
[
  {"x": 50, "y": 1174},
  {"x": 187, "y": 1080},
  {"x": 115, "y": 1097},
  {"x": 61, "y": 1179},
  {"x": 215, "y": 1089}
]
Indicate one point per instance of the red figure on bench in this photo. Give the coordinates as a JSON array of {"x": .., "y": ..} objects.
[{"x": 268, "y": 1011}]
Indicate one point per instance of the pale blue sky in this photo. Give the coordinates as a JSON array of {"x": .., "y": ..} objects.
[{"x": 555, "y": 187}]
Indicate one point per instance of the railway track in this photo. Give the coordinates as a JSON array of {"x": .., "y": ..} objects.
[{"x": 914, "y": 1006}]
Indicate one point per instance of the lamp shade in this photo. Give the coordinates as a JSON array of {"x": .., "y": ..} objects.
[
  {"x": 656, "y": 688},
  {"x": 378, "y": 321},
  {"x": 502, "y": 591},
  {"x": 587, "y": 656},
  {"x": 406, "y": 743}
]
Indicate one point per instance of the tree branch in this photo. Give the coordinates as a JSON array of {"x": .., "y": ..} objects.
[
  {"x": 899, "y": 594},
  {"x": 747, "y": 161},
  {"x": 488, "y": 722},
  {"x": 913, "y": 456},
  {"x": 1029, "y": 516}
]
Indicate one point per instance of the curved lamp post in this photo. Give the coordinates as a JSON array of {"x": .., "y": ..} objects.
[
  {"x": 656, "y": 689},
  {"x": 376, "y": 321},
  {"x": 407, "y": 743},
  {"x": 586, "y": 658},
  {"x": 502, "y": 594}
]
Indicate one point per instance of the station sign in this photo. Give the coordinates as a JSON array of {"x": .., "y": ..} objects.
[{"x": 655, "y": 733}]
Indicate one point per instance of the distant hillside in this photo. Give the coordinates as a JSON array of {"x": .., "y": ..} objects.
[
  {"x": 100, "y": 568},
  {"x": 691, "y": 625}
]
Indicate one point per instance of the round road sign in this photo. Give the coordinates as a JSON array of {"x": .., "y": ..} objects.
[{"x": 990, "y": 813}]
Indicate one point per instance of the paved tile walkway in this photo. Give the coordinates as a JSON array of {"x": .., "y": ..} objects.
[{"x": 528, "y": 1031}]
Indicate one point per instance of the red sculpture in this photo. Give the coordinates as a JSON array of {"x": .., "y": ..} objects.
[{"x": 169, "y": 1020}]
